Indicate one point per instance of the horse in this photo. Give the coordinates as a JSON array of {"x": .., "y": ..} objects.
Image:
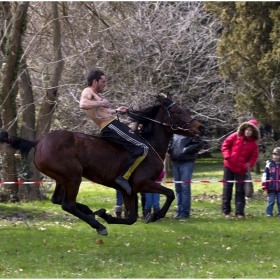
[{"x": 67, "y": 156}]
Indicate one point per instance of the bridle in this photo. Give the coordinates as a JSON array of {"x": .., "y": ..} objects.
[
  {"x": 175, "y": 127},
  {"x": 169, "y": 124}
]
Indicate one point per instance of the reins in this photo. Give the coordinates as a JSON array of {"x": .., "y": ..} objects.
[{"x": 172, "y": 126}]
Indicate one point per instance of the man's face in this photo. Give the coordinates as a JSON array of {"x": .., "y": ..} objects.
[{"x": 101, "y": 84}]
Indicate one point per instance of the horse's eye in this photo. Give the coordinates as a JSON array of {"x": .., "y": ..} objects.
[{"x": 179, "y": 111}]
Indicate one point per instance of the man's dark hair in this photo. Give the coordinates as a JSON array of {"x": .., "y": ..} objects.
[{"x": 94, "y": 75}]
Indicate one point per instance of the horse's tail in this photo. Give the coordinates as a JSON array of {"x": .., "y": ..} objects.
[{"x": 23, "y": 145}]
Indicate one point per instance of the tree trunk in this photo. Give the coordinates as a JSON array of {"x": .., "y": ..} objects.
[
  {"x": 8, "y": 95},
  {"x": 28, "y": 170},
  {"x": 50, "y": 102}
]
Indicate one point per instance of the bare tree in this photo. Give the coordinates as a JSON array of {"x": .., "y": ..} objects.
[
  {"x": 144, "y": 48},
  {"x": 26, "y": 110},
  {"x": 10, "y": 69},
  {"x": 50, "y": 99},
  {"x": 157, "y": 47}
]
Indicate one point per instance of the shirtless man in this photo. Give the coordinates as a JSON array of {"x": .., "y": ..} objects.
[{"x": 97, "y": 109}]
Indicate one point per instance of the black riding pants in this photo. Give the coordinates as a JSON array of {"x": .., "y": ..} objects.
[{"x": 120, "y": 133}]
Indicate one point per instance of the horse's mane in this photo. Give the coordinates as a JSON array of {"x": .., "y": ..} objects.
[
  {"x": 137, "y": 117},
  {"x": 142, "y": 115}
]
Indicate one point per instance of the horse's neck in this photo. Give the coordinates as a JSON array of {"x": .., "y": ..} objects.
[{"x": 160, "y": 140}]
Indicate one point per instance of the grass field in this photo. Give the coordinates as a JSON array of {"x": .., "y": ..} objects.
[{"x": 39, "y": 240}]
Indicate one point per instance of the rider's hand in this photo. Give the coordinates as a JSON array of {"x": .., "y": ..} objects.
[{"x": 122, "y": 110}]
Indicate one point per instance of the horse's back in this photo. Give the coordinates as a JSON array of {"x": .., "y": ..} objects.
[
  {"x": 64, "y": 152},
  {"x": 62, "y": 143}
]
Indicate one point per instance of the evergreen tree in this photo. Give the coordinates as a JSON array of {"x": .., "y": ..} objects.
[{"x": 249, "y": 55}]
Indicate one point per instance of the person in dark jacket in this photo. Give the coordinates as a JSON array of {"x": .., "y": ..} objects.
[
  {"x": 183, "y": 151},
  {"x": 271, "y": 183},
  {"x": 238, "y": 149}
]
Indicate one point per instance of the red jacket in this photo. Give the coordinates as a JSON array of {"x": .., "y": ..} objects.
[{"x": 237, "y": 150}]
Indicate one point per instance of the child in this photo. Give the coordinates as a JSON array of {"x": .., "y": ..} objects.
[
  {"x": 271, "y": 183},
  {"x": 152, "y": 199}
]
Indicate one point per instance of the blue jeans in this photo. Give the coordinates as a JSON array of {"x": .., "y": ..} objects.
[
  {"x": 119, "y": 198},
  {"x": 271, "y": 200},
  {"x": 152, "y": 200},
  {"x": 183, "y": 172}
]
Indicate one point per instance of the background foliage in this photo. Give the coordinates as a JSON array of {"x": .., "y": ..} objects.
[{"x": 248, "y": 53}]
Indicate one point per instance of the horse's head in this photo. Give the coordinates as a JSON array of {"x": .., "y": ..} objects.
[{"x": 179, "y": 120}]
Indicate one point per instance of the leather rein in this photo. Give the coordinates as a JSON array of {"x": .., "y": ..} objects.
[{"x": 172, "y": 126}]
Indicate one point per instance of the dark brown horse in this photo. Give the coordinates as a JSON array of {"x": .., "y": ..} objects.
[{"x": 68, "y": 156}]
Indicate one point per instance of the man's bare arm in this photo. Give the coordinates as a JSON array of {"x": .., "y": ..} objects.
[{"x": 87, "y": 102}]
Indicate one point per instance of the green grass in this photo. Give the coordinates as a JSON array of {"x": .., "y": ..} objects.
[{"x": 39, "y": 240}]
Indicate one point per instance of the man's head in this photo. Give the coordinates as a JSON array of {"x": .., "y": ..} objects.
[{"x": 96, "y": 78}]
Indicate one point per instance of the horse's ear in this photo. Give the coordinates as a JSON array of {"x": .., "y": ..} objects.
[
  {"x": 165, "y": 96},
  {"x": 162, "y": 95}
]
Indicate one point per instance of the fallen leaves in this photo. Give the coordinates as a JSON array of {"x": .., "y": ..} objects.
[{"x": 41, "y": 229}]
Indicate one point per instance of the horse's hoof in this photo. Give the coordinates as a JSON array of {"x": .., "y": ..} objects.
[
  {"x": 103, "y": 232},
  {"x": 149, "y": 218}
]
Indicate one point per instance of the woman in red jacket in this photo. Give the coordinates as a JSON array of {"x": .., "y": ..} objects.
[{"x": 238, "y": 149}]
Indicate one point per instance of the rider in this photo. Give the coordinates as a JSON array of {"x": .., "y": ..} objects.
[{"x": 97, "y": 109}]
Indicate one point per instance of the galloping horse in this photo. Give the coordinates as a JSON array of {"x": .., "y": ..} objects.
[{"x": 68, "y": 156}]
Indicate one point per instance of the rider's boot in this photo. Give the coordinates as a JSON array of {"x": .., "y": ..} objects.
[{"x": 124, "y": 184}]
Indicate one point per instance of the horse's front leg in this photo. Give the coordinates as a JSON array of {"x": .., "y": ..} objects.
[
  {"x": 130, "y": 206},
  {"x": 170, "y": 196}
]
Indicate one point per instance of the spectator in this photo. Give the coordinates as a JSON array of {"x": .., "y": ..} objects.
[
  {"x": 271, "y": 183},
  {"x": 183, "y": 151},
  {"x": 238, "y": 148}
]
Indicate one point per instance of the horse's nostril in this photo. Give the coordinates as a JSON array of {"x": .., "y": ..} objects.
[{"x": 202, "y": 129}]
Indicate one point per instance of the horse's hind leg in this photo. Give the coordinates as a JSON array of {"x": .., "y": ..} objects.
[
  {"x": 69, "y": 204},
  {"x": 58, "y": 196},
  {"x": 85, "y": 209}
]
